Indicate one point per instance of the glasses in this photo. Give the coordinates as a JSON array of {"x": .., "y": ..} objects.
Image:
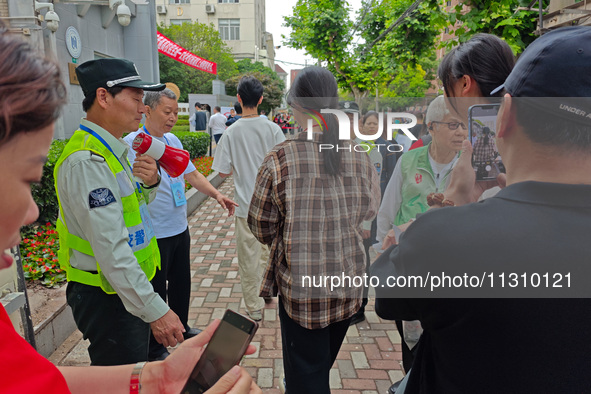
[{"x": 452, "y": 125}]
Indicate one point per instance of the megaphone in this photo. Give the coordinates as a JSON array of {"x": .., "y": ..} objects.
[{"x": 173, "y": 160}]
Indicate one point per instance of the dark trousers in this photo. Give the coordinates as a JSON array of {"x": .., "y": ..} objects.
[
  {"x": 308, "y": 355},
  {"x": 217, "y": 137},
  {"x": 176, "y": 270},
  {"x": 116, "y": 336}
]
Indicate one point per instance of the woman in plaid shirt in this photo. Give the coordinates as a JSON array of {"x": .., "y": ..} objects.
[{"x": 308, "y": 205}]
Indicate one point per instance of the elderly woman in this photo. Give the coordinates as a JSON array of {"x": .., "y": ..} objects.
[
  {"x": 418, "y": 173},
  {"x": 422, "y": 171}
]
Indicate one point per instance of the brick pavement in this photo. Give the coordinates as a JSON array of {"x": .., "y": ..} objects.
[{"x": 369, "y": 360}]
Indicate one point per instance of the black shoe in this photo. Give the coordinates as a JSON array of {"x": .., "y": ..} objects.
[
  {"x": 160, "y": 357},
  {"x": 191, "y": 332},
  {"x": 357, "y": 318}
]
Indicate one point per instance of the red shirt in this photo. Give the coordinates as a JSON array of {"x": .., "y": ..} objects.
[{"x": 22, "y": 369}]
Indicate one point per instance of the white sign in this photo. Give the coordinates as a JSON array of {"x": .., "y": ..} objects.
[{"x": 73, "y": 42}]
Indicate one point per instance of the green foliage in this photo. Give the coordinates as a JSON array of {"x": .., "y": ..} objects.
[
  {"x": 182, "y": 122},
  {"x": 274, "y": 86},
  {"x": 44, "y": 192},
  {"x": 178, "y": 127},
  {"x": 392, "y": 42},
  {"x": 196, "y": 144},
  {"x": 500, "y": 18},
  {"x": 204, "y": 41},
  {"x": 324, "y": 30},
  {"x": 39, "y": 256}
]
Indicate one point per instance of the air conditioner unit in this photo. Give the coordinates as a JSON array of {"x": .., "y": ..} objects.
[
  {"x": 210, "y": 9},
  {"x": 161, "y": 9}
]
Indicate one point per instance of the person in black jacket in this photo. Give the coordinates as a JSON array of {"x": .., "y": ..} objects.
[
  {"x": 502, "y": 330},
  {"x": 238, "y": 115}
]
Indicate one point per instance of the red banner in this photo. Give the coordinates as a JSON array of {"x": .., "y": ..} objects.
[{"x": 178, "y": 53}]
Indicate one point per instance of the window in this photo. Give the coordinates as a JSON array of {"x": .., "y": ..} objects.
[
  {"x": 180, "y": 1},
  {"x": 228, "y": 1},
  {"x": 229, "y": 29},
  {"x": 447, "y": 30},
  {"x": 449, "y": 3},
  {"x": 179, "y": 21}
]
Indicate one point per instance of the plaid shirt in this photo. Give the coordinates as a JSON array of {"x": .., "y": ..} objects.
[
  {"x": 484, "y": 150},
  {"x": 312, "y": 222}
]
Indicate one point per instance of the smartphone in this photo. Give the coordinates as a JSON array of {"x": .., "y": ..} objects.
[
  {"x": 482, "y": 126},
  {"x": 226, "y": 348}
]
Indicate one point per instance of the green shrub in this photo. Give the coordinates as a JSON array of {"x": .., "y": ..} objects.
[
  {"x": 182, "y": 122},
  {"x": 184, "y": 117},
  {"x": 181, "y": 128},
  {"x": 196, "y": 143},
  {"x": 44, "y": 192}
]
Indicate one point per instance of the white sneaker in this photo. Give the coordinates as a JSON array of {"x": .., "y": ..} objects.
[{"x": 255, "y": 315}]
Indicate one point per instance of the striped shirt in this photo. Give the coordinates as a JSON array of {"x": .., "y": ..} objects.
[{"x": 312, "y": 222}]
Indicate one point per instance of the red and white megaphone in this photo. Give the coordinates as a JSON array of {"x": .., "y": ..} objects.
[{"x": 173, "y": 160}]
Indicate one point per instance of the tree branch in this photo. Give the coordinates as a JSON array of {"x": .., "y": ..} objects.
[{"x": 400, "y": 19}]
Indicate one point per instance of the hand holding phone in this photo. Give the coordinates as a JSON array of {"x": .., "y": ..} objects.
[{"x": 226, "y": 348}]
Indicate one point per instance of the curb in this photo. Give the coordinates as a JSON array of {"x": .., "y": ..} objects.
[{"x": 53, "y": 331}]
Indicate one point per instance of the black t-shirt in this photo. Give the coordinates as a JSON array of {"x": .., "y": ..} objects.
[{"x": 499, "y": 345}]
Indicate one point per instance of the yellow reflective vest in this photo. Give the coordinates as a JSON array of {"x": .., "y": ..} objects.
[{"x": 146, "y": 252}]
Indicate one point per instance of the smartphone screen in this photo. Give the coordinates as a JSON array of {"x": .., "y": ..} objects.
[
  {"x": 482, "y": 125},
  {"x": 226, "y": 348}
]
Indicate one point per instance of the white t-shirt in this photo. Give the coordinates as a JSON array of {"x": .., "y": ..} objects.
[
  {"x": 241, "y": 150},
  {"x": 217, "y": 123},
  {"x": 168, "y": 219}
]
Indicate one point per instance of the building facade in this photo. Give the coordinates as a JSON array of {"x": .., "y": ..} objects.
[
  {"x": 86, "y": 30},
  {"x": 241, "y": 24}
]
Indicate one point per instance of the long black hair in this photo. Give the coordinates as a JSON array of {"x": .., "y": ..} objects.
[
  {"x": 315, "y": 88},
  {"x": 484, "y": 57}
]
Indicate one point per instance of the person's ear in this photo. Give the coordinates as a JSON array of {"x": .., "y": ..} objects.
[
  {"x": 239, "y": 99},
  {"x": 103, "y": 97},
  {"x": 148, "y": 110},
  {"x": 469, "y": 87},
  {"x": 506, "y": 121},
  {"x": 260, "y": 100}
]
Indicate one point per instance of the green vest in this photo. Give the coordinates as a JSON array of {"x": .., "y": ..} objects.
[
  {"x": 146, "y": 253},
  {"x": 417, "y": 182}
]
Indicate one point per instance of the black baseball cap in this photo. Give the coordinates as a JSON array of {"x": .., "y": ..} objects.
[
  {"x": 107, "y": 73},
  {"x": 350, "y": 107},
  {"x": 555, "y": 69}
]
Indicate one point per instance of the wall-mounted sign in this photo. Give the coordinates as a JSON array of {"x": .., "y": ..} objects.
[
  {"x": 73, "y": 42},
  {"x": 72, "y": 74},
  {"x": 179, "y": 11}
]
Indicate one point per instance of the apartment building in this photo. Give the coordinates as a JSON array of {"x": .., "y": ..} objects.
[{"x": 241, "y": 24}]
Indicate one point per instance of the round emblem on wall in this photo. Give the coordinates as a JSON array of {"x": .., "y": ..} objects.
[{"x": 73, "y": 42}]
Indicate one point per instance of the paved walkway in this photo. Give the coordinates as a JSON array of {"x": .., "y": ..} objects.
[{"x": 369, "y": 360}]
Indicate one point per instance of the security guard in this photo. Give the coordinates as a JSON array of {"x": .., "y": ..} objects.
[{"x": 107, "y": 243}]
